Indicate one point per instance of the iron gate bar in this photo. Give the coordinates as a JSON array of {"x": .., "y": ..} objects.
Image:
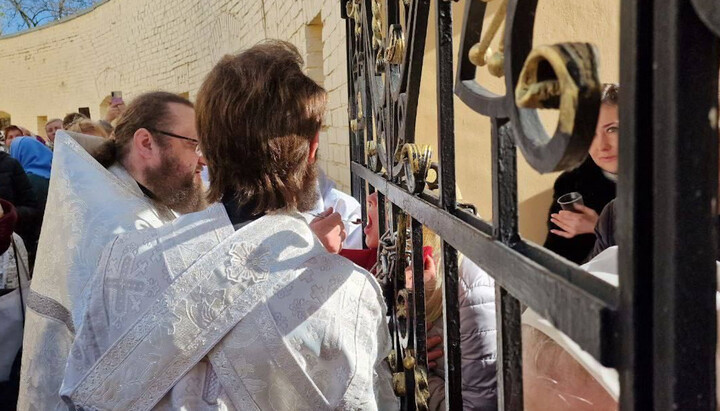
[
  {"x": 508, "y": 309},
  {"x": 579, "y": 304},
  {"x": 357, "y": 137},
  {"x": 634, "y": 206},
  {"x": 685, "y": 180},
  {"x": 446, "y": 180},
  {"x": 412, "y": 67},
  {"x": 417, "y": 316}
]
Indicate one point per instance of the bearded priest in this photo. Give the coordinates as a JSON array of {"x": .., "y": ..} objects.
[
  {"x": 149, "y": 171},
  {"x": 238, "y": 306}
]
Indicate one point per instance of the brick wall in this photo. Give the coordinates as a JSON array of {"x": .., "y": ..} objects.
[{"x": 137, "y": 46}]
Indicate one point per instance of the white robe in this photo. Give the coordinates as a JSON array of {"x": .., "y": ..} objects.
[
  {"x": 87, "y": 206},
  {"x": 196, "y": 315},
  {"x": 346, "y": 205}
]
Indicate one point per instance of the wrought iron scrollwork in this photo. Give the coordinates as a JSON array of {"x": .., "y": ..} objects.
[
  {"x": 548, "y": 74},
  {"x": 709, "y": 13},
  {"x": 564, "y": 77}
]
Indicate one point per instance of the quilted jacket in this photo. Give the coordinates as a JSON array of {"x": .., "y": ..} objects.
[{"x": 476, "y": 291}]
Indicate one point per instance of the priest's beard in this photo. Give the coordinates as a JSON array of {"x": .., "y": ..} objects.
[
  {"x": 182, "y": 192},
  {"x": 308, "y": 196}
]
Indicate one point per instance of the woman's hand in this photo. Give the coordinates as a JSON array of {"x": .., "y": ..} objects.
[{"x": 574, "y": 223}]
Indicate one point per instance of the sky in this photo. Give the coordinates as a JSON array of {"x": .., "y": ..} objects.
[{"x": 12, "y": 23}]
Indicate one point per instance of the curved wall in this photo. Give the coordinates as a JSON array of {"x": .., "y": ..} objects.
[{"x": 139, "y": 45}]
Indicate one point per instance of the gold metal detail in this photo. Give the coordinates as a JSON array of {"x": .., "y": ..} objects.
[
  {"x": 373, "y": 156},
  {"x": 380, "y": 61},
  {"x": 399, "y": 384},
  {"x": 546, "y": 80},
  {"x": 480, "y": 53},
  {"x": 422, "y": 389},
  {"x": 377, "y": 25},
  {"x": 409, "y": 362},
  {"x": 392, "y": 360},
  {"x": 416, "y": 159},
  {"x": 395, "y": 52},
  {"x": 354, "y": 125}
]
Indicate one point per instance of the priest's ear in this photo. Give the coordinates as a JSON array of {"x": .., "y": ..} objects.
[
  {"x": 314, "y": 143},
  {"x": 144, "y": 144}
]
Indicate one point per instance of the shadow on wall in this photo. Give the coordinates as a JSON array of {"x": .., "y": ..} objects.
[{"x": 533, "y": 214}]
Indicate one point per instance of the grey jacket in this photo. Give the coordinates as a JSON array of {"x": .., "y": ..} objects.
[{"x": 476, "y": 291}]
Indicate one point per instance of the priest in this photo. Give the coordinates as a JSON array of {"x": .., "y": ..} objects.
[
  {"x": 238, "y": 306},
  {"x": 141, "y": 178}
]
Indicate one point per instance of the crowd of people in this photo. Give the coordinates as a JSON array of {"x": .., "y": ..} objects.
[{"x": 197, "y": 257}]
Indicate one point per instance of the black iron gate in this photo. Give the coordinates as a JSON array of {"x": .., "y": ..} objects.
[{"x": 659, "y": 327}]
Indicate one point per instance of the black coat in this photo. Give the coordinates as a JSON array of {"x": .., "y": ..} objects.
[
  {"x": 597, "y": 190},
  {"x": 15, "y": 187}
]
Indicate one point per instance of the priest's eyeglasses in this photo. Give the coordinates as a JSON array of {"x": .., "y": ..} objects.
[{"x": 197, "y": 143}]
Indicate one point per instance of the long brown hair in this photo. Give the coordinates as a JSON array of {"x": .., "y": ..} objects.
[{"x": 257, "y": 113}]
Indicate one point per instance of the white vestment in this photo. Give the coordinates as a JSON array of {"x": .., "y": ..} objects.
[
  {"x": 87, "y": 206},
  {"x": 346, "y": 205},
  {"x": 196, "y": 315}
]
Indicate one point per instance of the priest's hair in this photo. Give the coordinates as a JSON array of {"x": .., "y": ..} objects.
[{"x": 257, "y": 113}]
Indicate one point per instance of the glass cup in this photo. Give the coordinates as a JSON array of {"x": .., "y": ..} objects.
[{"x": 569, "y": 201}]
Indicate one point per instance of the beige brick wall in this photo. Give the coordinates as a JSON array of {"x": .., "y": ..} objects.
[
  {"x": 140, "y": 45},
  {"x": 137, "y": 46}
]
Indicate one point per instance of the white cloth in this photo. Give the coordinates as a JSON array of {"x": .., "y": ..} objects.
[
  {"x": 87, "y": 206},
  {"x": 195, "y": 315},
  {"x": 11, "y": 331},
  {"x": 346, "y": 205},
  {"x": 605, "y": 267}
]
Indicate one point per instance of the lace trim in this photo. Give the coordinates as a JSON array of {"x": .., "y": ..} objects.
[
  {"x": 213, "y": 304},
  {"x": 47, "y": 307}
]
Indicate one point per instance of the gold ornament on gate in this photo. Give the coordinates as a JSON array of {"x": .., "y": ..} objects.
[
  {"x": 481, "y": 54},
  {"x": 395, "y": 52}
]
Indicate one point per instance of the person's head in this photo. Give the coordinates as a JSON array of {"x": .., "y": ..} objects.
[
  {"x": 604, "y": 147},
  {"x": 51, "y": 127},
  {"x": 34, "y": 156},
  {"x": 258, "y": 119},
  {"x": 85, "y": 126},
  {"x": 71, "y": 118},
  {"x": 156, "y": 141},
  {"x": 12, "y": 132}
]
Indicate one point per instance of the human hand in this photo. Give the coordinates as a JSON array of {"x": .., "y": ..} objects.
[
  {"x": 114, "y": 111},
  {"x": 429, "y": 270},
  {"x": 572, "y": 223},
  {"x": 434, "y": 349},
  {"x": 330, "y": 229}
]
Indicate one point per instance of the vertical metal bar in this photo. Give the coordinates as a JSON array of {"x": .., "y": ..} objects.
[
  {"x": 419, "y": 293},
  {"x": 634, "y": 206},
  {"x": 505, "y": 224},
  {"x": 357, "y": 141},
  {"x": 685, "y": 169},
  {"x": 446, "y": 152}
]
